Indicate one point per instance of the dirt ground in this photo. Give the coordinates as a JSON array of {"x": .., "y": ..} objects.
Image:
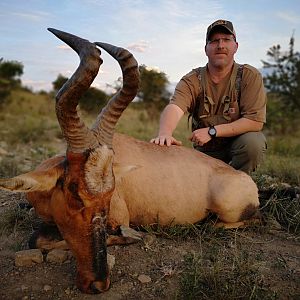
[{"x": 162, "y": 260}]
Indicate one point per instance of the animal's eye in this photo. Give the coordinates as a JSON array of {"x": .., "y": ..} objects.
[
  {"x": 60, "y": 182},
  {"x": 73, "y": 188}
]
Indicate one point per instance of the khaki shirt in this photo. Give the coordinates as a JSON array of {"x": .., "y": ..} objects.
[{"x": 253, "y": 96}]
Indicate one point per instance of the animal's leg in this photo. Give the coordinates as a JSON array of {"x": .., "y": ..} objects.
[
  {"x": 47, "y": 237},
  {"x": 118, "y": 214},
  {"x": 232, "y": 225},
  {"x": 128, "y": 236},
  {"x": 255, "y": 219},
  {"x": 131, "y": 233}
]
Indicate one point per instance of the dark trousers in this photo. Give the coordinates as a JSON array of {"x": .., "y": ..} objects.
[{"x": 244, "y": 152}]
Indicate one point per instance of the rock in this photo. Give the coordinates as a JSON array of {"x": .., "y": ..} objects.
[
  {"x": 3, "y": 152},
  {"x": 149, "y": 239},
  {"x": 111, "y": 260},
  {"x": 274, "y": 224},
  {"x": 144, "y": 278},
  {"x": 24, "y": 288},
  {"x": 28, "y": 258},
  {"x": 57, "y": 256},
  {"x": 47, "y": 288}
]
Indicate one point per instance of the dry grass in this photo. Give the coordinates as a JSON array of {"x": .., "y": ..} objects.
[
  {"x": 222, "y": 273},
  {"x": 222, "y": 268}
]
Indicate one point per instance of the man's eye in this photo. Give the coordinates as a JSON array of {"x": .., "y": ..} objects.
[{"x": 224, "y": 40}]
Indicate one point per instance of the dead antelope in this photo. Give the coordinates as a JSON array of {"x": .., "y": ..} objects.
[{"x": 106, "y": 180}]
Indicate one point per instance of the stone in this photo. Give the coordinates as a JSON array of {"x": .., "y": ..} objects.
[
  {"x": 3, "y": 152},
  {"x": 47, "y": 288},
  {"x": 27, "y": 258},
  {"x": 111, "y": 260},
  {"x": 149, "y": 240},
  {"x": 144, "y": 278},
  {"x": 57, "y": 256},
  {"x": 274, "y": 224}
]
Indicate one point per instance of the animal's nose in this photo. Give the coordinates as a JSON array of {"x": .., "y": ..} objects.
[{"x": 100, "y": 286}]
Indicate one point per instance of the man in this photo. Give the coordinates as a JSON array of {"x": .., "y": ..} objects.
[{"x": 226, "y": 101}]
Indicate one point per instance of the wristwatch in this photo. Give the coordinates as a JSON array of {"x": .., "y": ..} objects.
[{"x": 212, "y": 131}]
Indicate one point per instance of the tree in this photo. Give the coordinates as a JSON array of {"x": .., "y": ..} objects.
[
  {"x": 153, "y": 87},
  {"x": 59, "y": 82},
  {"x": 285, "y": 76},
  {"x": 91, "y": 101},
  {"x": 283, "y": 82},
  {"x": 153, "y": 90},
  {"x": 10, "y": 73}
]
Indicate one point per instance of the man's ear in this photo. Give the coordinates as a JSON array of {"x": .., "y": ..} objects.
[
  {"x": 237, "y": 46},
  {"x": 121, "y": 170}
]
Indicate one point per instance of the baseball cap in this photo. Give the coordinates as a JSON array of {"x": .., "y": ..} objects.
[{"x": 220, "y": 23}]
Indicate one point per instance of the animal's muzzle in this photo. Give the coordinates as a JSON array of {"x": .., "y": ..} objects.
[
  {"x": 97, "y": 287},
  {"x": 89, "y": 285}
]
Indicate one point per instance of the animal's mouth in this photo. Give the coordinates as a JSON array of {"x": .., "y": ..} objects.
[
  {"x": 97, "y": 287},
  {"x": 90, "y": 286}
]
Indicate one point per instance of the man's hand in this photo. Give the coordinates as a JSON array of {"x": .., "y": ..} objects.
[
  {"x": 168, "y": 122},
  {"x": 200, "y": 136},
  {"x": 165, "y": 140}
]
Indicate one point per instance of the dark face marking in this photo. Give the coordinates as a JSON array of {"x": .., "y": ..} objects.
[{"x": 100, "y": 266}]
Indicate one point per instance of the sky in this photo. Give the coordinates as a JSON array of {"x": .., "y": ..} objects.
[{"x": 168, "y": 35}]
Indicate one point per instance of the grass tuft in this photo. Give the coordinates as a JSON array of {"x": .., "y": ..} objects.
[
  {"x": 221, "y": 274},
  {"x": 279, "y": 201},
  {"x": 14, "y": 219}
]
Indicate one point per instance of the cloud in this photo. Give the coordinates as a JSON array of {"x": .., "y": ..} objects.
[
  {"x": 140, "y": 46},
  {"x": 33, "y": 16},
  {"x": 289, "y": 17},
  {"x": 63, "y": 47},
  {"x": 153, "y": 68}
]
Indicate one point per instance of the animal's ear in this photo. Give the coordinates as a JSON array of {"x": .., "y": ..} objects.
[
  {"x": 41, "y": 180},
  {"x": 121, "y": 170}
]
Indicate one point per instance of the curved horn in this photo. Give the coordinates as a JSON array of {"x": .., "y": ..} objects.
[
  {"x": 78, "y": 136},
  {"x": 107, "y": 119}
]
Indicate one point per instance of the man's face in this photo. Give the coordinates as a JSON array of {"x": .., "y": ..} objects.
[{"x": 220, "y": 49}]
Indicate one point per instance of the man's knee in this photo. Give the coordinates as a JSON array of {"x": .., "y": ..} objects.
[
  {"x": 252, "y": 143},
  {"x": 248, "y": 150}
]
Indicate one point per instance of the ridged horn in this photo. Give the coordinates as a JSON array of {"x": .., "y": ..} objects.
[
  {"x": 78, "y": 136},
  {"x": 108, "y": 117}
]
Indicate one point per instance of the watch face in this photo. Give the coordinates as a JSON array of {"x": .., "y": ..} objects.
[{"x": 212, "y": 131}]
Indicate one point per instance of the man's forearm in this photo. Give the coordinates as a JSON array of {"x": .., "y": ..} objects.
[
  {"x": 238, "y": 127},
  {"x": 169, "y": 119}
]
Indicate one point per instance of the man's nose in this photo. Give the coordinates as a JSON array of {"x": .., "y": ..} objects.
[{"x": 221, "y": 43}]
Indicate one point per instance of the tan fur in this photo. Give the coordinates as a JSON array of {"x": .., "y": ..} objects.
[{"x": 176, "y": 184}]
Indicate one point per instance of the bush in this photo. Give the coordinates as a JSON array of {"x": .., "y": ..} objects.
[{"x": 93, "y": 100}]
